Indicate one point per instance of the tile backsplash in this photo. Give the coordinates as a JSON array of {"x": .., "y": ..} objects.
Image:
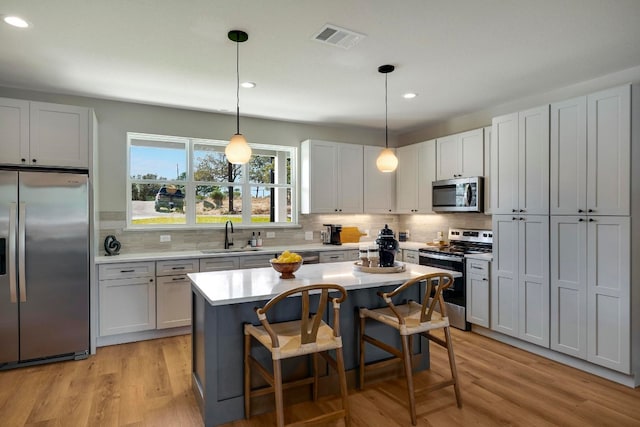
[{"x": 421, "y": 228}]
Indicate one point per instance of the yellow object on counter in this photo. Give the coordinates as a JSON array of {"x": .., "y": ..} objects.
[{"x": 351, "y": 235}]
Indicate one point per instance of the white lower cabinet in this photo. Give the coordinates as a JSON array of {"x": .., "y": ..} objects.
[
  {"x": 173, "y": 293},
  {"x": 520, "y": 277},
  {"x": 219, "y": 264},
  {"x": 478, "y": 292},
  {"x": 127, "y": 294},
  {"x": 339, "y": 256},
  {"x": 409, "y": 255},
  {"x": 256, "y": 261},
  {"x": 590, "y": 289}
]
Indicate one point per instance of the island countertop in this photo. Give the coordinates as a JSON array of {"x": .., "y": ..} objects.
[{"x": 257, "y": 284}]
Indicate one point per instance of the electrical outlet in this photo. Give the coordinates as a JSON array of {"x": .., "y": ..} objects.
[
  {"x": 271, "y": 234},
  {"x": 308, "y": 235},
  {"x": 165, "y": 238}
]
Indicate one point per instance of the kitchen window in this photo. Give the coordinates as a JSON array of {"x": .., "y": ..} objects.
[{"x": 176, "y": 182}]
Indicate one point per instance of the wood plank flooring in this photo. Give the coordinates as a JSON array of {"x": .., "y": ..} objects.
[{"x": 148, "y": 384}]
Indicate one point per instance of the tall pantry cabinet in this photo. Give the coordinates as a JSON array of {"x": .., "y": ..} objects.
[
  {"x": 520, "y": 195},
  {"x": 590, "y": 248},
  {"x": 561, "y": 199}
]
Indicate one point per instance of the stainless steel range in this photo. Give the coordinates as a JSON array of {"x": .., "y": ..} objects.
[{"x": 451, "y": 257}]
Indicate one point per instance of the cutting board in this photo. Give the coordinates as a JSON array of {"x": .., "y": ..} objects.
[{"x": 350, "y": 235}]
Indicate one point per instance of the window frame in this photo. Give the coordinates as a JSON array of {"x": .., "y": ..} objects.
[{"x": 190, "y": 184}]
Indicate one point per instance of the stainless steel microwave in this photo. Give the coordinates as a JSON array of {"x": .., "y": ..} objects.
[{"x": 458, "y": 195}]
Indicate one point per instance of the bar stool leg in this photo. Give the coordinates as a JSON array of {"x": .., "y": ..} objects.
[
  {"x": 343, "y": 386},
  {"x": 361, "y": 367},
  {"x": 247, "y": 377},
  {"x": 316, "y": 366},
  {"x": 452, "y": 365},
  {"x": 406, "y": 355},
  {"x": 277, "y": 380}
]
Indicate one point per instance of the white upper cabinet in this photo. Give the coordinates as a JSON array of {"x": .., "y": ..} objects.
[
  {"x": 568, "y": 157},
  {"x": 487, "y": 171},
  {"x": 520, "y": 162},
  {"x": 590, "y": 154},
  {"x": 379, "y": 187},
  {"x": 14, "y": 131},
  {"x": 609, "y": 151},
  {"x": 42, "y": 134},
  {"x": 460, "y": 155},
  {"x": 416, "y": 171},
  {"x": 332, "y": 177}
]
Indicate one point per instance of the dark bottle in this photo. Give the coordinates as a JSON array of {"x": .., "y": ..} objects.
[{"x": 387, "y": 247}]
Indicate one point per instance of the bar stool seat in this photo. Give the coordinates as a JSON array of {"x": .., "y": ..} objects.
[
  {"x": 409, "y": 319},
  {"x": 309, "y": 335}
]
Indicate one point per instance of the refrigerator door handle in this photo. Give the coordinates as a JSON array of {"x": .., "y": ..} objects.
[
  {"x": 12, "y": 253},
  {"x": 21, "y": 242}
]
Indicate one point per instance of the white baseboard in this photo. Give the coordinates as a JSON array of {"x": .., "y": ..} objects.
[{"x": 142, "y": 336}]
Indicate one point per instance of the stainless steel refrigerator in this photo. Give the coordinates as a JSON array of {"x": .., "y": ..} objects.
[{"x": 44, "y": 266}]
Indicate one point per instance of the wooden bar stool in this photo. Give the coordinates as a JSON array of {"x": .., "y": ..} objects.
[
  {"x": 409, "y": 319},
  {"x": 309, "y": 335}
]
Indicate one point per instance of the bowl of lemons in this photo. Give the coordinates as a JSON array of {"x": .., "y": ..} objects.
[{"x": 286, "y": 264}]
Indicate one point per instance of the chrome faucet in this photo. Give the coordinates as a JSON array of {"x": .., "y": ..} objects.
[{"x": 227, "y": 241}]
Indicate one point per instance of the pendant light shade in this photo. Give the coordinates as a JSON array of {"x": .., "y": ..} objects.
[
  {"x": 238, "y": 151},
  {"x": 387, "y": 160}
]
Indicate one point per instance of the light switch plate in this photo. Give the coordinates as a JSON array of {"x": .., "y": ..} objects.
[
  {"x": 308, "y": 235},
  {"x": 165, "y": 238},
  {"x": 271, "y": 234}
]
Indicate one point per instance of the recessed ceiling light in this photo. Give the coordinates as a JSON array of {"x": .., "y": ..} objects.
[
  {"x": 409, "y": 95},
  {"x": 248, "y": 85},
  {"x": 16, "y": 21}
]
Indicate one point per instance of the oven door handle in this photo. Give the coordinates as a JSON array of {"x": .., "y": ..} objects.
[{"x": 443, "y": 257}]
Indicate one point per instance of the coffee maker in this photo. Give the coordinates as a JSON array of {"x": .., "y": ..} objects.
[
  {"x": 387, "y": 247},
  {"x": 331, "y": 234}
]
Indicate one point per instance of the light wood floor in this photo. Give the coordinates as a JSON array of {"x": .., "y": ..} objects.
[{"x": 148, "y": 384}]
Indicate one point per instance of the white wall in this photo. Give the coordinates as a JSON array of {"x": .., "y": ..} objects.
[{"x": 483, "y": 117}]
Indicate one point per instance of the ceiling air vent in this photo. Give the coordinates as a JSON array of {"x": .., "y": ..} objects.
[{"x": 336, "y": 36}]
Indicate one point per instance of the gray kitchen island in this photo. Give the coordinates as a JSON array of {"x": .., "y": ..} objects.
[{"x": 223, "y": 301}]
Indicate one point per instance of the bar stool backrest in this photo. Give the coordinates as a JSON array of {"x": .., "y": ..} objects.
[{"x": 311, "y": 317}]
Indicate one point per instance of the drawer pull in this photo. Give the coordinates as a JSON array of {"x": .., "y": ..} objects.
[
  {"x": 128, "y": 271},
  {"x": 175, "y": 279},
  {"x": 178, "y": 268}
]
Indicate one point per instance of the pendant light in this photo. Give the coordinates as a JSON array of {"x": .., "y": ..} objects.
[
  {"x": 238, "y": 151},
  {"x": 387, "y": 160}
]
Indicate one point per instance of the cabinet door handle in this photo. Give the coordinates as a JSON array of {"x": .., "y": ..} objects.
[
  {"x": 591, "y": 210},
  {"x": 580, "y": 211},
  {"x": 514, "y": 218},
  {"x": 514, "y": 210},
  {"x": 592, "y": 220},
  {"x": 522, "y": 210},
  {"x": 580, "y": 219},
  {"x": 484, "y": 279}
]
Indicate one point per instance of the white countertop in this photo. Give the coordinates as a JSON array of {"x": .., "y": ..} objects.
[
  {"x": 256, "y": 284},
  {"x": 157, "y": 256}
]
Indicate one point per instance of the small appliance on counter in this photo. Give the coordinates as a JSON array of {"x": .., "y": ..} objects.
[
  {"x": 387, "y": 246},
  {"x": 331, "y": 234}
]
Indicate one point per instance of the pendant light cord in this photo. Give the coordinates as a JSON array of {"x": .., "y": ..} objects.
[
  {"x": 386, "y": 127},
  {"x": 237, "y": 87}
]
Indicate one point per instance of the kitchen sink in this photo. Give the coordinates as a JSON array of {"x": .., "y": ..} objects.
[{"x": 225, "y": 251}]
